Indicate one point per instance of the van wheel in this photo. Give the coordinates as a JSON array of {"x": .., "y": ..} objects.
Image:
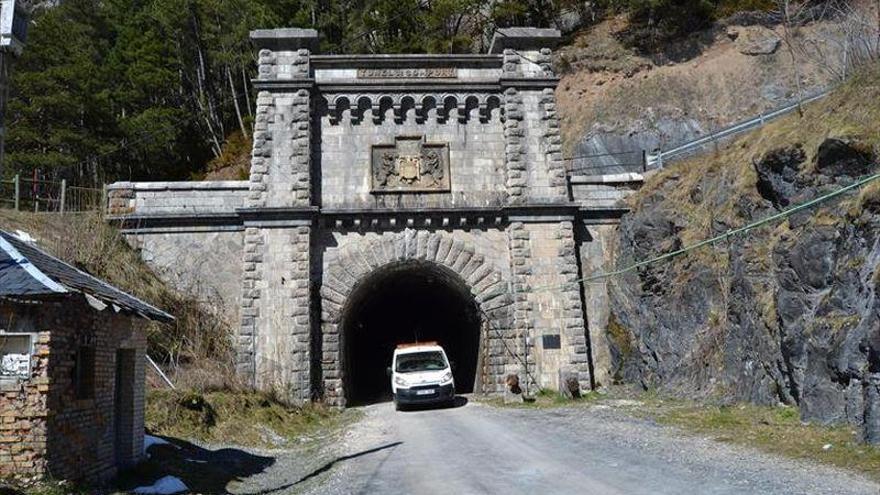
[{"x": 397, "y": 406}]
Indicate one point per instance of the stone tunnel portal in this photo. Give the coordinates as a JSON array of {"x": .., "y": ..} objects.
[{"x": 408, "y": 302}]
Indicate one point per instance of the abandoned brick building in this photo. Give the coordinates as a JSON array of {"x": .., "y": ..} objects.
[
  {"x": 71, "y": 369},
  {"x": 395, "y": 198}
]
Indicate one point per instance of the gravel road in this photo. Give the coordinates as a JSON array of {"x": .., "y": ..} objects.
[{"x": 476, "y": 448}]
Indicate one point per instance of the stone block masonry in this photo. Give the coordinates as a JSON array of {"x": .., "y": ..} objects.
[{"x": 441, "y": 174}]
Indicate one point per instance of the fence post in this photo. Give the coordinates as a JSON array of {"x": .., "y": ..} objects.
[
  {"x": 17, "y": 189},
  {"x": 63, "y": 194}
]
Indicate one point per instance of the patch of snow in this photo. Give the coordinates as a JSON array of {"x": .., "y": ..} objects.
[
  {"x": 150, "y": 440},
  {"x": 24, "y": 236},
  {"x": 163, "y": 486}
]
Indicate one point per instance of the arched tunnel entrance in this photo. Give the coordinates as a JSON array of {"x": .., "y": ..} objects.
[{"x": 402, "y": 303}]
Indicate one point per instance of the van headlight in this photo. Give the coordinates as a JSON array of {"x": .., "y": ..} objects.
[
  {"x": 399, "y": 380},
  {"x": 446, "y": 377}
]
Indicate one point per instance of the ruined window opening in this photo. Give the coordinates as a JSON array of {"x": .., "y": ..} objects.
[
  {"x": 84, "y": 372},
  {"x": 16, "y": 350}
]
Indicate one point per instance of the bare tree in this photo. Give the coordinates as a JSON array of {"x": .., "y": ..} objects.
[
  {"x": 791, "y": 13},
  {"x": 851, "y": 38}
]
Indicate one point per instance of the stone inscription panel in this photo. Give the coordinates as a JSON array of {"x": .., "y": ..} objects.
[
  {"x": 423, "y": 73},
  {"x": 410, "y": 165}
]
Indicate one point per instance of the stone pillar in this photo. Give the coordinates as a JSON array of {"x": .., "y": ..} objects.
[
  {"x": 533, "y": 152},
  {"x": 514, "y": 134},
  {"x": 574, "y": 339},
  {"x": 548, "y": 302},
  {"x": 274, "y": 341},
  {"x": 547, "y": 299},
  {"x": 595, "y": 244},
  {"x": 521, "y": 270}
]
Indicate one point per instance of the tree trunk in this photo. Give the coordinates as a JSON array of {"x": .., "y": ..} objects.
[
  {"x": 235, "y": 101},
  {"x": 247, "y": 92}
]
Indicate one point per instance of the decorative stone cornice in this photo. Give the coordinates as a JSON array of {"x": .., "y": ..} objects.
[
  {"x": 524, "y": 38},
  {"x": 458, "y": 105},
  {"x": 489, "y": 61},
  {"x": 285, "y": 39}
]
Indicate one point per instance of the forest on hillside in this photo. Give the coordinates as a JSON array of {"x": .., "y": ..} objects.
[{"x": 160, "y": 89}]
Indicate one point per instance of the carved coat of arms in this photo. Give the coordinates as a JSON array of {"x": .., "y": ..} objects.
[{"x": 410, "y": 165}]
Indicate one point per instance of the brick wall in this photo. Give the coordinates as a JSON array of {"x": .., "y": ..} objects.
[
  {"x": 24, "y": 414},
  {"x": 53, "y": 432}
]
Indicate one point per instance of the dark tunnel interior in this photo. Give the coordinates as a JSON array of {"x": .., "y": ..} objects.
[{"x": 408, "y": 302}]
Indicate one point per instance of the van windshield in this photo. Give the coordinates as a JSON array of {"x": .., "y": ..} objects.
[{"x": 420, "y": 361}]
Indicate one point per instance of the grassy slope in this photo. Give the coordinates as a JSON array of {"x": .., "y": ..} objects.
[{"x": 851, "y": 111}]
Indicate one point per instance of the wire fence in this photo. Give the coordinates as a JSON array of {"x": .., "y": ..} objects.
[{"x": 36, "y": 195}]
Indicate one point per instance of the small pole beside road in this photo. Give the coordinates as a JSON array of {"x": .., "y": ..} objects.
[{"x": 63, "y": 194}]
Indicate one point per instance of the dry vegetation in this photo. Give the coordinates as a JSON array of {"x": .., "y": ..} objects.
[
  {"x": 606, "y": 85},
  {"x": 196, "y": 347},
  {"x": 250, "y": 419},
  {"x": 777, "y": 430},
  {"x": 850, "y": 112}
]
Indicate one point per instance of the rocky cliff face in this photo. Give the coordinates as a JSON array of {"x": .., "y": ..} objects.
[{"x": 789, "y": 312}]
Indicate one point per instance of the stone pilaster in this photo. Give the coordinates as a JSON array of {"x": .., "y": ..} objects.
[
  {"x": 300, "y": 184},
  {"x": 252, "y": 269},
  {"x": 574, "y": 329},
  {"x": 262, "y": 152},
  {"x": 274, "y": 341},
  {"x": 520, "y": 261},
  {"x": 553, "y": 146}
]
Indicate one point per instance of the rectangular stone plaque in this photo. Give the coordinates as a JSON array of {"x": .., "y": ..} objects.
[
  {"x": 551, "y": 342},
  {"x": 424, "y": 73},
  {"x": 410, "y": 165}
]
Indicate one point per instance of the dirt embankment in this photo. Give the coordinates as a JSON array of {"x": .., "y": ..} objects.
[{"x": 612, "y": 98}]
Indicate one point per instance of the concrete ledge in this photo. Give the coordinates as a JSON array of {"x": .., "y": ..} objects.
[
  {"x": 236, "y": 185},
  {"x": 624, "y": 178}
]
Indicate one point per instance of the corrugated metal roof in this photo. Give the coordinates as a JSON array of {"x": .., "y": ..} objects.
[{"x": 26, "y": 271}]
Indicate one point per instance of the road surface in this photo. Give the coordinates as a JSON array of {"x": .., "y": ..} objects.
[
  {"x": 481, "y": 449},
  {"x": 477, "y": 449}
]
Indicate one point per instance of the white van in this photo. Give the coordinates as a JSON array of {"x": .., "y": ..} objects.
[{"x": 421, "y": 374}]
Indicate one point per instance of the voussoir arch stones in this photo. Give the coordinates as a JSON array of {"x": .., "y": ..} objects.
[{"x": 355, "y": 262}]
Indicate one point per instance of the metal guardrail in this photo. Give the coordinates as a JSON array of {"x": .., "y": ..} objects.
[
  {"x": 687, "y": 148},
  {"x": 642, "y": 160}
]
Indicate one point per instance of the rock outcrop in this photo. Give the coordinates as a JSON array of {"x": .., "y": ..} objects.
[{"x": 789, "y": 312}]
